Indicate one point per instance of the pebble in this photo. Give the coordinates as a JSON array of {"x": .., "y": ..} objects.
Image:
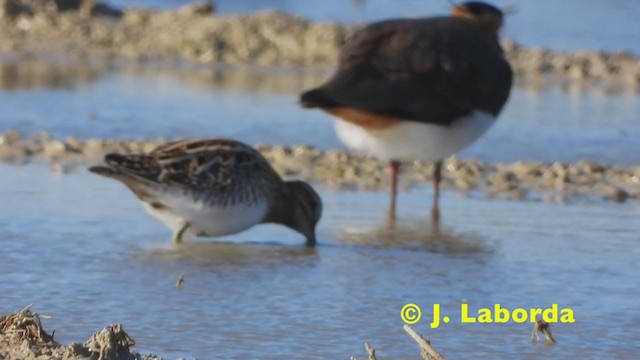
[
  {"x": 55, "y": 149},
  {"x": 10, "y": 137},
  {"x": 346, "y": 170},
  {"x": 264, "y": 38}
]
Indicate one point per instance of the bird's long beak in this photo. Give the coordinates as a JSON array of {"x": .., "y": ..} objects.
[{"x": 311, "y": 240}]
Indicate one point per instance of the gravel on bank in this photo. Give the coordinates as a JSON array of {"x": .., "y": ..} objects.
[
  {"x": 86, "y": 28},
  {"x": 344, "y": 170}
]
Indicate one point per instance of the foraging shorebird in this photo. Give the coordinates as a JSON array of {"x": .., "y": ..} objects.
[
  {"x": 418, "y": 88},
  {"x": 214, "y": 187}
]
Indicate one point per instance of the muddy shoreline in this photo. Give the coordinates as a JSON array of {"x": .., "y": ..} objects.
[
  {"x": 23, "y": 337},
  {"x": 344, "y": 170},
  {"x": 196, "y": 34}
]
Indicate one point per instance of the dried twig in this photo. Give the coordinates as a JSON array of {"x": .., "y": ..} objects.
[
  {"x": 26, "y": 325},
  {"x": 111, "y": 343},
  {"x": 371, "y": 351},
  {"x": 26, "y": 308},
  {"x": 543, "y": 327},
  {"x": 22, "y": 331},
  {"x": 427, "y": 351},
  {"x": 180, "y": 281}
]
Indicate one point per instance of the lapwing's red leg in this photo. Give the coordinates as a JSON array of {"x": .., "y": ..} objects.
[
  {"x": 393, "y": 179},
  {"x": 437, "y": 176}
]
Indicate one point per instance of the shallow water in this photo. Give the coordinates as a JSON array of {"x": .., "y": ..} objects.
[
  {"x": 81, "y": 248},
  {"x": 546, "y": 125},
  {"x": 560, "y": 25},
  {"x": 261, "y": 294}
]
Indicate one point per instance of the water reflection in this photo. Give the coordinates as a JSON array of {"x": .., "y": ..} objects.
[
  {"x": 26, "y": 74},
  {"x": 259, "y": 106},
  {"x": 220, "y": 255},
  {"x": 413, "y": 234},
  {"x": 45, "y": 73},
  {"x": 108, "y": 262}
]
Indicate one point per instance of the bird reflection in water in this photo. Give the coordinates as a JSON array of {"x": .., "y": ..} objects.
[
  {"x": 413, "y": 234},
  {"x": 231, "y": 255}
]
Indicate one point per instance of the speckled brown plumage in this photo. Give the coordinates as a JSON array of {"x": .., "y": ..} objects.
[
  {"x": 211, "y": 187},
  {"x": 220, "y": 171}
]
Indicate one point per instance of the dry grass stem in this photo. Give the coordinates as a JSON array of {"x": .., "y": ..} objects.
[
  {"x": 426, "y": 350},
  {"x": 371, "y": 351},
  {"x": 543, "y": 327},
  {"x": 180, "y": 281}
]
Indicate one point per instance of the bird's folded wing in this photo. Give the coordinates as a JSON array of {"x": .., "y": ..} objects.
[{"x": 421, "y": 70}]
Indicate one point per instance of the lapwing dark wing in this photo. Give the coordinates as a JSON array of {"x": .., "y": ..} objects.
[
  {"x": 214, "y": 187},
  {"x": 418, "y": 89}
]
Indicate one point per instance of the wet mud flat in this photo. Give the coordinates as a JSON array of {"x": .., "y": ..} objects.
[
  {"x": 81, "y": 29},
  {"x": 345, "y": 170}
]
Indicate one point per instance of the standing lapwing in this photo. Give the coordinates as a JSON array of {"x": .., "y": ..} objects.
[
  {"x": 418, "y": 88},
  {"x": 214, "y": 187}
]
